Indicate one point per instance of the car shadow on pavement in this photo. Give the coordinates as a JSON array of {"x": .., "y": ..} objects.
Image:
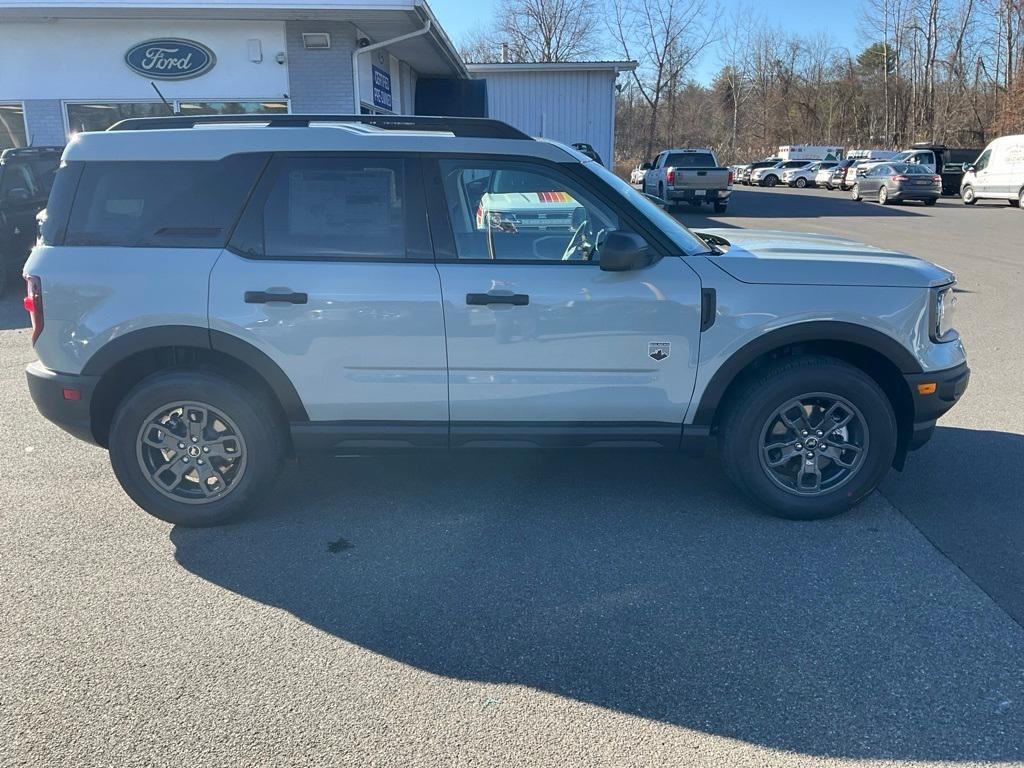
[
  {"x": 643, "y": 584},
  {"x": 965, "y": 491}
]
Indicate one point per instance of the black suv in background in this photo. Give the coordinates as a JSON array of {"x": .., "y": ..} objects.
[{"x": 26, "y": 176}]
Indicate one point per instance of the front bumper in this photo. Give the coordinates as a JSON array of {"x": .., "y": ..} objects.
[
  {"x": 949, "y": 386},
  {"x": 48, "y": 392}
]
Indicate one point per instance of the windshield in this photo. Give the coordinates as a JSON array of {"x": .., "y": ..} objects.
[{"x": 688, "y": 242}]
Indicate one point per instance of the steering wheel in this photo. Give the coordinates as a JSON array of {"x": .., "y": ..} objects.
[{"x": 576, "y": 242}]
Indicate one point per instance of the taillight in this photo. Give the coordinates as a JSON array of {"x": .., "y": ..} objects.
[
  {"x": 937, "y": 179},
  {"x": 900, "y": 178},
  {"x": 730, "y": 179},
  {"x": 33, "y": 304},
  {"x": 670, "y": 176}
]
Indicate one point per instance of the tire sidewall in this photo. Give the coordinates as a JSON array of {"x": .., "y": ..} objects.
[
  {"x": 250, "y": 415},
  {"x": 968, "y": 195},
  {"x": 840, "y": 380},
  {"x": 801, "y": 182}
]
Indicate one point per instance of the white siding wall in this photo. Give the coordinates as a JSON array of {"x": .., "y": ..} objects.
[{"x": 564, "y": 106}]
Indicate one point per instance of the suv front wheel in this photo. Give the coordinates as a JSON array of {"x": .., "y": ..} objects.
[
  {"x": 809, "y": 437},
  {"x": 195, "y": 448}
]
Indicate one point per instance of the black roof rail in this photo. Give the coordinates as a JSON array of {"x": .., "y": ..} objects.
[{"x": 464, "y": 127}]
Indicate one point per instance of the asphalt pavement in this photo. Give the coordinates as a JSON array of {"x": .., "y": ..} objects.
[{"x": 505, "y": 610}]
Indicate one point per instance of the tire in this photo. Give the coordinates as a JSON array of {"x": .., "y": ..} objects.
[
  {"x": 828, "y": 186},
  {"x": 770, "y": 180},
  {"x": 931, "y": 200},
  {"x": 252, "y": 442},
  {"x": 855, "y": 193},
  {"x": 745, "y": 430},
  {"x": 801, "y": 183},
  {"x": 720, "y": 207},
  {"x": 883, "y": 196},
  {"x": 968, "y": 196}
]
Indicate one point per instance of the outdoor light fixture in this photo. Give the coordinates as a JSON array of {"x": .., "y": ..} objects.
[{"x": 316, "y": 41}]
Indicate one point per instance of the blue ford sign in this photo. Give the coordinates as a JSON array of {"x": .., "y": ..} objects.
[{"x": 170, "y": 58}]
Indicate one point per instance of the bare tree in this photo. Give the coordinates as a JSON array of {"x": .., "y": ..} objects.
[
  {"x": 665, "y": 37},
  {"x": 537, "y": 31}
]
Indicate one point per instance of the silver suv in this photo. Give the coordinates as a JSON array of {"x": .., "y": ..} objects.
[{"x": 213, "y": 295}]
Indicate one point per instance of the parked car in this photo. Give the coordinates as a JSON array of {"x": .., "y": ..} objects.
[
  {"x": 948, "y": 162},
  {"x": 898, "y": 182},
  {"x": 997, "y": 174},
  {"x": 843, "y": 175},
  {"x": 636, "y": 176},
  {"x": 744, "y": 177},
  {"x": 588, "y": 150},
  {"x": 823, "y": 175},
  {"x": 771, "y": 175},
  {"x": 335, "y": 290},
  {"x": 690, "y": 176},
  {"x": 807, "y": 175},
  {"x": 26, "y": 176}
]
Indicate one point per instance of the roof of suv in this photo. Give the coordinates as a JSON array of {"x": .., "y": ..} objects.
[{"x": 216, "y": 136}]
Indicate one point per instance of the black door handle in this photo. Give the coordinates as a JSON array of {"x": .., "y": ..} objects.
[
  {"x": 483, "y": 299},
  {"x": 265, "y": 297}
]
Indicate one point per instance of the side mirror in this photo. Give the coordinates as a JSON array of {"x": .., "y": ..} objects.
[
  {"x": 623, "y": 251},
  {"x": 970, "y": 167},
  {"x": 645, "y": 166}
]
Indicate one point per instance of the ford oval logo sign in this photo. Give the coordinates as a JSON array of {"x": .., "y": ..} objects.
[{"x": 170, "y": 59}]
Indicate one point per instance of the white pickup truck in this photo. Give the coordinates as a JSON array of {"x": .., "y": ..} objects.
[{"x": 689, "y": 175}]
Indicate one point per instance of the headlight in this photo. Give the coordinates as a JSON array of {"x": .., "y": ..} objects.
[{"x": 944, "y": 313}]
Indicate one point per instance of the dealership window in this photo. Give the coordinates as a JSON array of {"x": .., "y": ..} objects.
[
  {"x": 12, "y": 126},
  {"x": 98, "y": 116}
]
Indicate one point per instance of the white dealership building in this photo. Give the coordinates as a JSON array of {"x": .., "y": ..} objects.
[{"x": 83, "y": 65}]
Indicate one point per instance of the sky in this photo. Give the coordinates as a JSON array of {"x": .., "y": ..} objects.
[{"x": 840, "y": 20}]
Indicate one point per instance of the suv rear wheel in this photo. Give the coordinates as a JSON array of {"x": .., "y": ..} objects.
[
  {"x": 195, "y": 448},
  {"x": 809, "y": 438}
]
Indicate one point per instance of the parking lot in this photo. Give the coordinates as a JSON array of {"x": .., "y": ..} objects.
[{"x": 539, "y": 609}]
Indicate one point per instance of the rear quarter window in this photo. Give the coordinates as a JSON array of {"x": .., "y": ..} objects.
[{"x": 165, "y": 204}]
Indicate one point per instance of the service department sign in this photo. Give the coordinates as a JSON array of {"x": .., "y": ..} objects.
[{"x": 170, "y": 58}]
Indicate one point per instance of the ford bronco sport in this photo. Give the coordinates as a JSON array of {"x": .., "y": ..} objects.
[{"x": 213, "y": 294}]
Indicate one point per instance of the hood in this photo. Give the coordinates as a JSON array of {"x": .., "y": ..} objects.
[{"x": 795, "y": 258}]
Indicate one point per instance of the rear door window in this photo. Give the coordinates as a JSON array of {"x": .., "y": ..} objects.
[
  {"x": 161, "y": 204},
  {"x": 336, "y": 207}
]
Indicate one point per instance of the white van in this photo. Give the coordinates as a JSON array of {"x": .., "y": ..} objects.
[
  {"x": 997, "y": 174},
  {"x": 871, "y": 154},
  {"x": 809, "y": 152}
]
